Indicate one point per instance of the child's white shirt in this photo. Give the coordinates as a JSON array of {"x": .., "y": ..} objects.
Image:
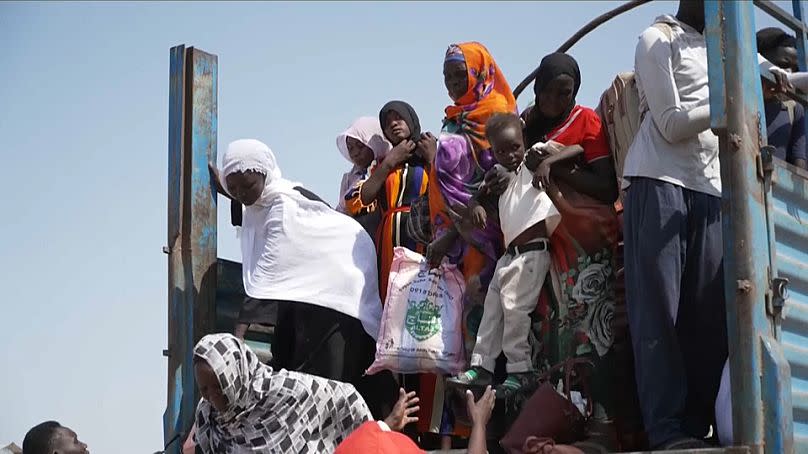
[{"x": 522, "y": 205}]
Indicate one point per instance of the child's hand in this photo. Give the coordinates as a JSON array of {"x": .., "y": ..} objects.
[
  {"x": 400, "y": 416},
  {"x": 399, "y": 154},
  {"x": 480, "y": 411},
  {"x": 478, "y": 216}
]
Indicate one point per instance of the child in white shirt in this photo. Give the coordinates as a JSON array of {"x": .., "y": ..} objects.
[{"x": 527, "y": 218}]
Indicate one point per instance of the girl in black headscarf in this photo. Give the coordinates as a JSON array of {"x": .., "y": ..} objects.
[
  {"x": 556, "y": 118},
  {"x": 397, "y": 180}
]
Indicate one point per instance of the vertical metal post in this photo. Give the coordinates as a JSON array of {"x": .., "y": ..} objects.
[
  {"x": 802, "y": 39},
  {"x": 191, "y": 229},
  {"x": 736, "y": 105}
]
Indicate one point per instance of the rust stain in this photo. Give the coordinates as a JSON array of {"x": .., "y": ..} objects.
[{"x": 735, "y": 141}]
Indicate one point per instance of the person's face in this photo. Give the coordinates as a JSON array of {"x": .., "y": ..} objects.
[
  {"x": 556, "y": 97},
  {"x": 209, "y": 386},
  {"x": 509, "y": 147},
  {"x": 785, "y": 57},
  {"x": 456, "y": 78},
  {"x": 361, "y": 154},
  {"x": 67, "y": 442},
  {"x": 395, "y": 128},
  {"x": 245, "y": 187}
]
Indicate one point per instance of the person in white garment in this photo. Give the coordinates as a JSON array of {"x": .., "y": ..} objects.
[{"x": 314, "y": 264}]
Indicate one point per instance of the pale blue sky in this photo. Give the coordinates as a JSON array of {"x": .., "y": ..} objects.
[{"x": 83, "y": 137}]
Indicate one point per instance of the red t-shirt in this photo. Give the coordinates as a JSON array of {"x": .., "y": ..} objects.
[{"x": 583, "y": 128}]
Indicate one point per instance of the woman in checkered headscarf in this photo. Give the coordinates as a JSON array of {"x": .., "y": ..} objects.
[{"x": 248, "y": 407}]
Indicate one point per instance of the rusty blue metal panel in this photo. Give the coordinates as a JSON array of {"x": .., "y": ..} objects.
[
  {"x": 191, "y": 229},
  {"x": 790, "y": 213},
  {"x": 736, "y": 101},
  {"x": 172, "y": 426}
]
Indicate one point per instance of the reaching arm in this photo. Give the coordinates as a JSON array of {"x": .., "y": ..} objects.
[
  {"x": 653, "y": 68},
  {"x": 480, "y": 413}
]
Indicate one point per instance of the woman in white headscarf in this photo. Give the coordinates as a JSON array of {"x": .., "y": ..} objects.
[
  {"x": 317, "y": 267},
  {"x": 363, "y": 144}
]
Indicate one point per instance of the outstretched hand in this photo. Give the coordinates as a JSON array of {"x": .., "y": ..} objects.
[
  {"x": 406, "y": 406},
  {"x": 480, "y": 411}
]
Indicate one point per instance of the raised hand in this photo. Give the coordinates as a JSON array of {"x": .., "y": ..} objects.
[{"x": 406, "y": 406}]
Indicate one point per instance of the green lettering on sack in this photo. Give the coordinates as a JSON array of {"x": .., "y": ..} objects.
[{"x": 423, "y": 319}]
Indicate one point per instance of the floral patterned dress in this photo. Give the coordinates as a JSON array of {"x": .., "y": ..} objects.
[{"x": 576, "y": 318}]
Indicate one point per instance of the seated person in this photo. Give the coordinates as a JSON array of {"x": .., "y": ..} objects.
[
  {"x": 50, "y": 437},
  {"x": 527, "y": 218}
]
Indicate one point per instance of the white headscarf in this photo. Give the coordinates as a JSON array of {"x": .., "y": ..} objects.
[
  {"x": 252, "y": 155},
  {"x": 368, "y": 131},
  {"x": 271, "y": 411},
  {"x": 296, "y": 249}
]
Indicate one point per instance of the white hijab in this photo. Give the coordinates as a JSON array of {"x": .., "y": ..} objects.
[
  {"x": 252, "y": 155},
  {"x": 368, "y": 131},
  {"x": 296, "y": 249}
]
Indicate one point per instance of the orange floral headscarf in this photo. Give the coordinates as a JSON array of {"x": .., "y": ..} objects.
[{"x": 488, "y": 93}]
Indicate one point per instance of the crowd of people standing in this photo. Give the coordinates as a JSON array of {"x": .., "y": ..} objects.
[{"x": 527, "y": 205}]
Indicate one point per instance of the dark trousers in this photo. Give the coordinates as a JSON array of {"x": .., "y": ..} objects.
[
  {"x": 675, "y": 302},
  {"x": 321, "y": 341}
]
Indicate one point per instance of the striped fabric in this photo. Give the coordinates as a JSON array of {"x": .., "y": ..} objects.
[{"x": 405, "y": 184}]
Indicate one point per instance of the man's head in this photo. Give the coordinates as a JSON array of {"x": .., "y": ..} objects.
[
  {"x": 50, "y": 437},
  {"x": 691, "y": 12},
  {"x": 504, "y": 131},
  {"x": 778, "y": 47}
]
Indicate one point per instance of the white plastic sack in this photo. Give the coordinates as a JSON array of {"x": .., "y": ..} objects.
[{"x": 421, "y": 327}]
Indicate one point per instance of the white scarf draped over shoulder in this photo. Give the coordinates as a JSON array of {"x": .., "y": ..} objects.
[{"x": 301, "y": 250}]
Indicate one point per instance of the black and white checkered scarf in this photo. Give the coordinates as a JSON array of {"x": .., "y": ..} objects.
[{"x": 272, "y": 411}]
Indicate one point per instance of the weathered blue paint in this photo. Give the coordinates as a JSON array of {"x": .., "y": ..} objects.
[
  {"x": 790, "y": 213},
  {"x": 176, "y": 277},
  {"x": 736, "y": 99},
  {"x": 765, "y": 217},
  {"x": 777, "y": 398},
  {"x": 191, "y": 226}
]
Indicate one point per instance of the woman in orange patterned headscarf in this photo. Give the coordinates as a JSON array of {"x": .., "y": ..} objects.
[{"x": 479, "y": 90}]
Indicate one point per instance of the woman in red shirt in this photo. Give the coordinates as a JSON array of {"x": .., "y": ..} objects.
[{"x": 576, "y": 319}]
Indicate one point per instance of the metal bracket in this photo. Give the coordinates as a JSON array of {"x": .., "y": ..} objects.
[
  {"x": 779, "y": 287},
  {"x": 765, "y": 163}
]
